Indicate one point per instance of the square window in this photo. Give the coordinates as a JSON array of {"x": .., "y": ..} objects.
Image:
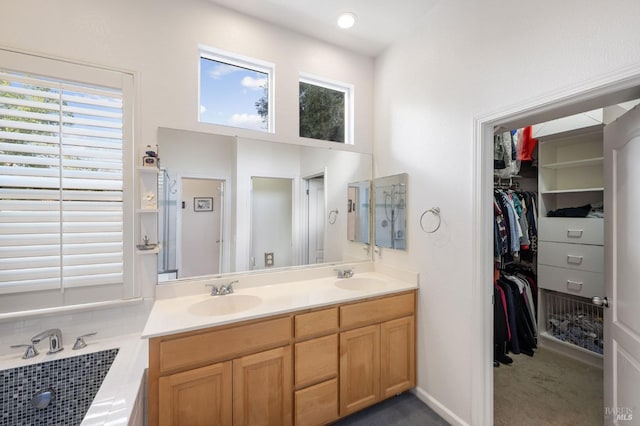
[
  {"x": 324, "y": 110},
  {"x": 235, "y": 91}
]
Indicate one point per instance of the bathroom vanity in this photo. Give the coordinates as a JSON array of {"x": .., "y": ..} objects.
[{"x": 308, "y": 353}]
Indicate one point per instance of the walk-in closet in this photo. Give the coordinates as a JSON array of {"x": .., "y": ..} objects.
[{"x": 549, "y": 270}]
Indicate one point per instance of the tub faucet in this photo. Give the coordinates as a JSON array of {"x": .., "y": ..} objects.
[
  {"x": 344, "y": 273},
  {"x": 55, "y": 340},
  {"x": 30, "y": 352}
]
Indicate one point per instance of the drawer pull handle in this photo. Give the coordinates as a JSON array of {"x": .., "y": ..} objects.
[
  {"x": 574, "y": 260},
  {"x": 574, "y": 285},
  {"x": 574, "y": 233}
]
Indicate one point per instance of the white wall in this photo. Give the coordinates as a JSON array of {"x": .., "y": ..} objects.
[
  {"x": 470, "y": 59},
  {"x": 271, "y": 216},
  {"x": 158, "y": 41}
]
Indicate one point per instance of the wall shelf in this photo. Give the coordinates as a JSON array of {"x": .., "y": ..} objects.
[
  {"x": 148, "y": 169},
  {"x": 575, "y": 163},
  {"x": 571, "y": 191}
]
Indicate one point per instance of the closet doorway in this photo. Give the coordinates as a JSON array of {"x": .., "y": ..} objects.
[{"x": 621, "y": 377}]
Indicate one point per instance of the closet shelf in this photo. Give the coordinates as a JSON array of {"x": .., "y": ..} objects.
[
  {"x": 575, "y": 163},
  {"x": 573, "y": 190},
  {"x": 148, "y": 169}
]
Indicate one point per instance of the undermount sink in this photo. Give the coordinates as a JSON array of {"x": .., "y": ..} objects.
[
  {"x": 225, "y": 305},
  {"x": 361, "y": 283}
]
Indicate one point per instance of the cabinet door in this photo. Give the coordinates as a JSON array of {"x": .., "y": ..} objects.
[
  {"x": 397, "y": 356},
  {"x": 262, "y": 388},
  {"x": 359, "y": 368},
  {"x": 201, "y": 396}
]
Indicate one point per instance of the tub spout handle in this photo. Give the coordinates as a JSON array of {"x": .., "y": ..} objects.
[
  {"x": 80, "y": 343},
  {"x": 30, "y": 352}
]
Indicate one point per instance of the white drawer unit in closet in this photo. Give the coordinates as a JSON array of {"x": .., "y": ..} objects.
[
  {"x": 572, "y": 281},
  {"x": 572, "y": 256},
  {"x": 571, "y": 230}
]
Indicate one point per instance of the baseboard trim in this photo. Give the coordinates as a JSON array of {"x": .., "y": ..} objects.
[{"x": 436, "y": 406}]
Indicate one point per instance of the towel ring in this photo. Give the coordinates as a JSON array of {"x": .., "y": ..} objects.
[
  {"x": 333, "y": 216},
  {"x": 436, "y": 212}
]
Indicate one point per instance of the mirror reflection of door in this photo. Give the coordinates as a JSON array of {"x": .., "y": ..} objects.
[
  {"x": 315, "y": 220},
  {"x": 201, "y": 227},
  {"x": 358, "y": 208},
  {"x": 271, "y": 219}
]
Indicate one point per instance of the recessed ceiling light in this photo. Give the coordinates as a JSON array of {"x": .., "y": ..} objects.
[{"x": 346, "y": 20}]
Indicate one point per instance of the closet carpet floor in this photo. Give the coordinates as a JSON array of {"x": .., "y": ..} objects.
[{"x": 547, "y": 389}]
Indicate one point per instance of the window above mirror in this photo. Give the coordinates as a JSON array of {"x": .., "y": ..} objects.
[
  {"x": 235, "y": 91},
  {"x": 325, "y": 109}
]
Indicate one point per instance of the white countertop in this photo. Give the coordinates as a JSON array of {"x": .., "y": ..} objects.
[{"x": 176, "y": 314}]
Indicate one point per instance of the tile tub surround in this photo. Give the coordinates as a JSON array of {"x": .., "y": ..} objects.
[
  {"x": 281, "y": 292},
  {"x": 120, "y": 393},
  {"x": 74, "y": 380}
]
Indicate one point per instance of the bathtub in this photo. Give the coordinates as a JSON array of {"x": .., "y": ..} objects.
[{"x": 119, "y": 399}]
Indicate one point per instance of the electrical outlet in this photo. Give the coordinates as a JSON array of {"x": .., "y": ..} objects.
[{"x": 268, "y": 259}]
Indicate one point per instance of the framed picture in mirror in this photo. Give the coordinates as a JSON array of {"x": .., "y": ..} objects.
[{"x": 202, "y": 204}]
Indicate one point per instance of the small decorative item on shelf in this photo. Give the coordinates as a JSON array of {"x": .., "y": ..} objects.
[
  {"x": 146, "y": 245},
  {"x": 149, "y": 201},
  {"x": 150, "y": 159}
]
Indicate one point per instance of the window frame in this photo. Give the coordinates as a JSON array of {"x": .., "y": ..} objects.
[
  {"x": 31, "y": 301},
  {"x": 246, "y": 62},
  {"x": 339, "y": 86}
]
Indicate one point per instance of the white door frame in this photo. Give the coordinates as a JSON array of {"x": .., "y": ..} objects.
[
  {"x": 304, "y": 208},
  {"x": 609, "y": 89}
]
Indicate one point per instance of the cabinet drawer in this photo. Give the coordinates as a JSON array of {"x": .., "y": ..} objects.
[
  {"x": 375, "y": 311},
  {"x": 317, "y": 405},
  {"x": 572, "y": 281},
  {"x": 571, "y": 230},
  {"x": 218, "y": 345},
  {"x": 316, "y": 323},
  {"x": 572, "y": 256},
  {"x": 316, "y": 360}
]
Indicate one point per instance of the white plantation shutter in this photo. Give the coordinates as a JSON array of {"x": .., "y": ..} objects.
[{"x": 62, "y": 162}]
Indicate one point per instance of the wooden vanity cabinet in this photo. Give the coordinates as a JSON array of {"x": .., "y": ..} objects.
[
  {"x": 307, "y": 368},
  {"x": 228, "y": 375},
  {"x": 316, "y": 367},
  {"x": 377, "y": 361},
  {"x": 202, "y": 396},
  {"x": 262, "y": 388}
]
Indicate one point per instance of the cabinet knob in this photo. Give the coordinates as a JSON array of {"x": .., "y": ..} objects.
[
  {"x": 574, "y": 260},
  {"x": 574, "y": 285},
  {"x": 574, "y": 233}
]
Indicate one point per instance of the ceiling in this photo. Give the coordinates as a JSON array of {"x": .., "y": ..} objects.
[{"x": 379, "y": 24}]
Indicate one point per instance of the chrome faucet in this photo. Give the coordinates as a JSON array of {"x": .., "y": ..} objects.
[
  {"x": 227, "y": 289},
  {"x": 223, "y": 289},
  {"x": 55, "y": 340},
  {"x": 30, "y": 352},
  {"x": 344, "y": 273}
]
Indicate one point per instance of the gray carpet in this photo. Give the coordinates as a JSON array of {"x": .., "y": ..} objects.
[
  {"x": 403, "y": 410},
  {"x": 548, "y": 389}
]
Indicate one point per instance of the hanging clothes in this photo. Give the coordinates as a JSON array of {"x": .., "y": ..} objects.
[
  {"x": 515, "y": 228},
  {"x": 515, "y": 290}
]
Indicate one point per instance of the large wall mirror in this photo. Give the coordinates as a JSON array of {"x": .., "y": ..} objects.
[
  {"x": 390, "y": 213},
  {"x": 230, "y": 204}
]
